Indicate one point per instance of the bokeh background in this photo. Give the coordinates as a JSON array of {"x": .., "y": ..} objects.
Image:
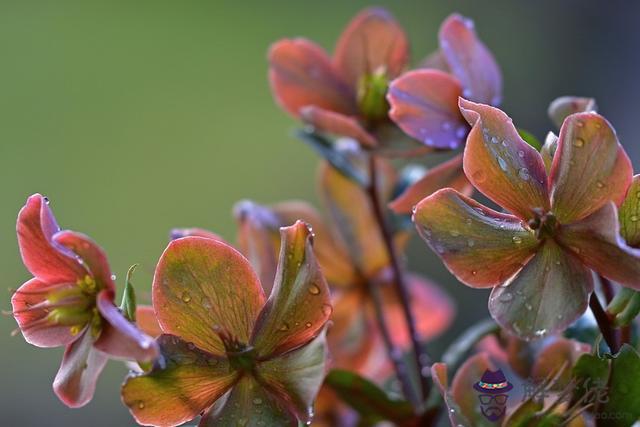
[{"x": 136, "y": 117}]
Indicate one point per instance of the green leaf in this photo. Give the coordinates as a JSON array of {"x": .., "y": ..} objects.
[
  {"x": 339, "y": 159},
  {"x": 622, "y": 408},
  {"x": 588, "y": 371},
  {"x": 530, "y": 139},
  {"x": 367, "y": 398},
  {"x": 128, "y": 305}
]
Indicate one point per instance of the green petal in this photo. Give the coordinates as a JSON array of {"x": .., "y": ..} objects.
[
  {"x": 629, "y": 214},
  {"x": 481, "y": 247},
  {"x": 190, "y": 381},
  {"x": 546, "y": 296},
  {"x": 300, "y": 303},
  {"x": 548, "y": 150},
  {"x": 248, "y": 405},
  {"x": 296, "y": 377},
  {"x": 201, "y": 284}
]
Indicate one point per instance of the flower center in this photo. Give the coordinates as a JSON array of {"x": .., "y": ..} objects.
[
  {"x": 241, "y": 356},
  {"x": 372, "y": 89},
  {"x": 544, "y": 224}
]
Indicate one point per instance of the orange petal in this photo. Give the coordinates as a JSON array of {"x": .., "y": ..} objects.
[
  {"x": 424, "y": 104},
  {"x": 446, "y": 175},
  {"x": 147, "y": 321},
  {"x": 189, "y": 383},
  {"x": 596, "y": 241},
  {"x": 500, "y": 164},
  {"x": 480, "y": 246},
  {"x": 301, "y": 73},
  {"x": 562, "y": 353},
  {"x": 462, "y": 391},
  {"x": 470, "y": 60},
  {"x": 300, "y": 303},
  {"x": 201, "y": 284},
  {"x": 337, "y": 124},
  {"x": 589, "y": 169},
  {"x": 372, "y": 40}
]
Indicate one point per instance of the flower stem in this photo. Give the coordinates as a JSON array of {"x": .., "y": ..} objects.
[
  {"x": 421, "y": 358},
  {"x": 610, "y": 335}
]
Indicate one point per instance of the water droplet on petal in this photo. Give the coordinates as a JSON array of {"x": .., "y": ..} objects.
[
  {"x": 578, "y": 142},
  {"x": 307, "y": 325},
  {"x": 284, "y": 327},
  {"x": 454, "y": 233},
  {"x": 471, "y": 243},
  {"x": 600, "y": 184},
  {"x": 517, "y": 239},
  {"x": 186, "y": 297},
  {"x": 494, "y": 140},
  {"x": 479, "y": 176},
  {"x": 502, "y": 163},
  {"x": 528, "y": 306},
  {"x": 314, "y": 290},
  {"x": 506, "y": 297},
  {"x": 327, "y": 309},
  {"x": 446, "y": 125},
  {"x": 521, "y": 154},
  {"x": 257, "y": 401},
  {"x": 524, "y": 173},
  {"x": 634, "y": 218},
  {"x": 141, "y": 405}
]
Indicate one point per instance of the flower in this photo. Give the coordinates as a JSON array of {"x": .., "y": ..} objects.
[
  {"x": 343, "y": 95},
  {"x": 227, "y": 350},
  {"x": 562, "y": 222},
  {"x": 424, "y": 102},
  {"x": 69, "y": 303}
]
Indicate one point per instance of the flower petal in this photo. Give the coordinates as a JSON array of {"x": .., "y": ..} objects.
[
  {"x": 480, "y": 246},
  {"x": 548, "y": 150},
  {"x": 462, "y": 392},
  {"x": 119, "y": 337},
  {"x": 190, "y": 382},
  {"x": 353, "y": 220},
  {"x": 589, "y": 169},
  {"x": 200, "y": 284},
  {"x": 248, "y": 405},
  {"x": 545, "y": 297},
  {"x": 446, "y": 175},
  {"x": 629, "y": 214},
  {"x": 596, "y": 241},
  {"x": 336, "y": 124},
  {"x": 32, "y": 322},
  {"x": 81, "y": 365},
  {"x": 372, "y": 40},
  {"x": 470, "y": 60},
  {"x": 301, "y": 73},
  {"x": 424, "y": 104},
  {"x": 90, "y": 253},
  {"x": 561, "y": 354},
  {"x": 44, "y": 259},
  {"x": 436, "y": 60},
  {"x": 147, "y": 321},
  {"x": 432, "y": 310},
  {"x": 563, "y": 107},
  {"x": 500, "y": 164},
  {"x": 300, "y": 303},
  {"x": 297, "y": 376}
]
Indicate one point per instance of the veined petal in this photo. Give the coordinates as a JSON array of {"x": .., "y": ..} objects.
[
  {"x": 296, "y": 377},
  {"x": 190, "y": 381},
  {"x": 120, "y": 338},
  {"x": 32, "y": 321},
  {"x": 90, "y": 253},
  {"x": 432, "y": 310},
  {"x": 424, "y": 104},
  {"x": 500, "y": 164},
  {"x": 301, "y": 73},
  {"x": 480, "y": 246},
  {"x": 47, "y": 261},
  {"x": 201, "y": 284},
  {"x": 564, "y": 106},
  {"x": 596, "y": 241},
  {"x": 470, "y": 60},
  {"x": 629, "y": 214},
  {"x": 81, "y": 365},
  {"x": 545, "y": 297},
  {"x": 337, "y": 124},
  {"x": 353, "y": 219},
  {"x": 300, "y": 302},
  {"x": 446, "y": 175},
  {"x": 248, "y": 405},
  {"x": 589, "y": 169},
  {"x": 372, "y": 40},
  {"x": 147, "y": 321}
]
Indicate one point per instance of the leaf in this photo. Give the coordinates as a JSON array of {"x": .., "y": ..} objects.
[
  {"x": 530, "y": 138},
  {"x": 339, "y": 159},
  {"x": 589, "y": 371},
  {"x": 128, "y": 305},
  {"x": 623, "y": 405},
  {"x": 367, "y": 398}
]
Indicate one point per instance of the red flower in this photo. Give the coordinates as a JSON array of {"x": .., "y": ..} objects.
[
  {"x": 561, "y": 225},
  {"x": 69, "y": 303}
]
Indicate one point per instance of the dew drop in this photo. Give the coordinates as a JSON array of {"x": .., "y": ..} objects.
[
  {"x": 257, "y": 401},
  {"x": 284, "y": 327},
  {"x": 113, "y": 277},
  {"x": 186, "y": 297},
  {"x": 524, "y": 173},
  {"x": 540, "y": 332},
  {"x": 506, "y": 297},
  {"x": 579, "y": 124},
  {"x": 502, "y": 163},
  {"x": 454, "y": 233},
  {"x": 479, "y": 176},
  {"x": 446, "y": 125},
  {"x": 521, "y": 154},
  {"x": 314, "y": 290},
  {"x": 327, "y": 309},
  {"x": 242, "y": 422},
  {"x": 578, "y": 142},
  {"x": 468, "y": 221},
  {"x": 634, "y": 218},
  {"x": 428, "y": 141},
  {"x": 599, "y": 184},
  {"x": 439, "y": 249},
  {"x": 471, "y": 243},
  {"x": 474, "y": 272},
  {"x": 494, "y": 140},
  {"x": 528, "y": 306},
  {"x": 307, "y": 325},
  {"x": 141, "y": 405},
  {"x": 517, "y": 240}
]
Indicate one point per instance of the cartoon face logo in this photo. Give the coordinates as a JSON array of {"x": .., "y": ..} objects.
[{"x": 492, "y": 389}]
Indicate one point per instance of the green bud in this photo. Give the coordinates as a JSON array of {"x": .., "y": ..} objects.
[{"x": 372, "y": 90}]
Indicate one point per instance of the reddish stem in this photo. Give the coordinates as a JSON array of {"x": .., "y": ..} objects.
[{"x": 609, "y": 333}]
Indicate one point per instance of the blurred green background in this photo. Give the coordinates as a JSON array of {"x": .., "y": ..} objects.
[{"x": 135, "y": 117}]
